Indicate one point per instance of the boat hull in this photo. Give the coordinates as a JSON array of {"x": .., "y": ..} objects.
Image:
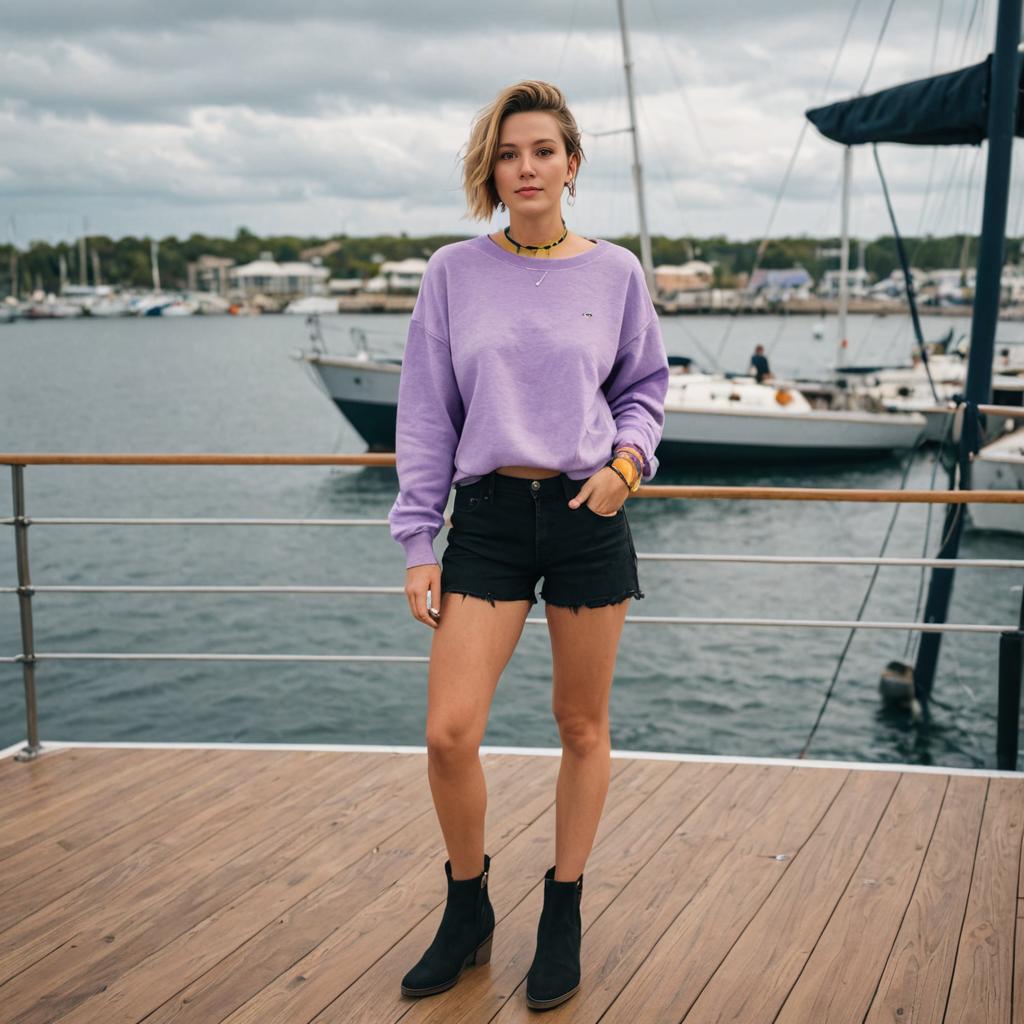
[{"x": 365, "y": 392}]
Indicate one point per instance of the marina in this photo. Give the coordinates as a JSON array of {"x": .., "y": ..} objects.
[{"x": 217, "y": 805}]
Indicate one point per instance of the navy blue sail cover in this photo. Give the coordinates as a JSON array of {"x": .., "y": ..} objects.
[{"x": 944, "y": 110}]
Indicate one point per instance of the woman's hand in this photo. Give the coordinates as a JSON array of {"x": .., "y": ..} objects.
[
  {"x": 604, "y": 493},
  {"x": 418, "y": 580}
]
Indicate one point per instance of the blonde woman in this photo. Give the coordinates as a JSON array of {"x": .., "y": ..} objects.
[{"x": 534, "y": 380}]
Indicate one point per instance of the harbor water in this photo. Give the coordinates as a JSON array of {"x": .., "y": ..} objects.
[{"x": 225, "y": 384}]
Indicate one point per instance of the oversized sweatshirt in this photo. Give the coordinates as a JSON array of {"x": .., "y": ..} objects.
[{"x": 522, "y": 361}]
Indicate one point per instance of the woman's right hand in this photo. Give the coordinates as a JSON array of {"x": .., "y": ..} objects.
[{"x": 418, "y": 580}]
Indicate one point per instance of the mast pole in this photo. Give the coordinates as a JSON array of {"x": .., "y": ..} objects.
[
  {"x": 638, "y": 179},
  {"x": 844, "y": 256},
  {"x": 978, "y": 390}
]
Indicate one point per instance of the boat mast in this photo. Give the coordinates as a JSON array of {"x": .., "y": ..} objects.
[
  {"x": 991, "y": 253},
  {"x": 844, "y": 256},
  {"x": 154, "y": 264},
  {"x": 638, "y": 180}
]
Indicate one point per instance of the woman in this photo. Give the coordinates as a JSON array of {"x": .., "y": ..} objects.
[{"x": 534, "y": 379}]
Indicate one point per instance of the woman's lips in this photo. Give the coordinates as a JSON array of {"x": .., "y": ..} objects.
[{"x": 528, "y": 191}]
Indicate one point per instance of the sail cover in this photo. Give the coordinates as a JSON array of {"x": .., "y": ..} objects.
[{"x": 944, "y": 110}]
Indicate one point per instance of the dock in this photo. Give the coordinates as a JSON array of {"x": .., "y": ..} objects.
[{"x": 236, "y": 884}]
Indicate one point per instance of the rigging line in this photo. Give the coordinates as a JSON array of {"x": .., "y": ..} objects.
[
  {"x": 935, "y": 149},
  {"x": 878, "y": 46},
  {"x": 911, "y": 455},
  {"x": 568, "y": 36},
  {"x": 683, "y": 91},
  {"x": 912, "y": 635},
  {"x": 669, "y": 179},
  {"x": 908, "y": 280},
  {"x": 967, "y": 33},
  {"x": 759, "y": 254}
]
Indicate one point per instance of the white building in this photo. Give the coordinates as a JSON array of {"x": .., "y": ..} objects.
[
  {"x": 398, "y": 276},
  {"x": 856, "y": 282},
  {"x": 268, "y": 277}
]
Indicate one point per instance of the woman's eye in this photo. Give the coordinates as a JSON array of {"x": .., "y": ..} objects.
[{"x": 510, "y": 153}]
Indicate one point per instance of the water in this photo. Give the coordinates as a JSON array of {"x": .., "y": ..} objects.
[{"x": 228, "y": 385}]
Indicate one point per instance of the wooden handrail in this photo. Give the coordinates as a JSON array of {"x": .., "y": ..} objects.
[{"x": 692, "y": 491}]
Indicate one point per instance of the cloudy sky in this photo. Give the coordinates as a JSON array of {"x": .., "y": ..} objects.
[{"x": 144, "y": 118}]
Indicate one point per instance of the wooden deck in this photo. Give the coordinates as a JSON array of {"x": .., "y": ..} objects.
[{"x": 236, "y": 885}]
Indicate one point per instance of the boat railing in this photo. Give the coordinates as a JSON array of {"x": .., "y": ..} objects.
[{"x": 1011, "y": 635}]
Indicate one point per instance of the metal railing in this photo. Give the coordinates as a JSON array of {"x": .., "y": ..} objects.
[{"x": 1011, "y": 645}]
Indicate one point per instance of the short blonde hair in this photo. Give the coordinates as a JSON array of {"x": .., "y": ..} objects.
[{"x": 482, "y": 150}]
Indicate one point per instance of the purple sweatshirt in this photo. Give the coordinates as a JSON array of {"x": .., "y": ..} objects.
[{"x": 522, "y": 361}]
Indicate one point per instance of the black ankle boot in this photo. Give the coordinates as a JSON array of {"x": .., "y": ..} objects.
[
  {"x": 554, "y": 975},
  {"x": 463, "y": 937}
]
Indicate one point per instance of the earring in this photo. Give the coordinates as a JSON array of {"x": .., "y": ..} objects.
[
  {"x": 571, "y": 201},
  {"x": 501, "y": 206}
]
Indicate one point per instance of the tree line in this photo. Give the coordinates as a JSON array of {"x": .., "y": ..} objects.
[{"x": 125, "y": 262}]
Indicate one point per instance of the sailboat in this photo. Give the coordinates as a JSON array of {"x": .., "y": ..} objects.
[{"x": 964, "y": 107}]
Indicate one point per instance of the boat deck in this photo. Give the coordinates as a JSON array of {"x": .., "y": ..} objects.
[{"x": 234, "y": 884}]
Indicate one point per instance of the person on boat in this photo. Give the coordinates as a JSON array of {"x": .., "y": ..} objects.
[
  {"x": 534, "y": 380},
  {"x": 759, "y": 365}
]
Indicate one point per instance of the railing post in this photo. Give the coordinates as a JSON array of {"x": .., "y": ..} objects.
[
  {"x": 28, "y": 651},
  {"x": 1011, "y": 660}
]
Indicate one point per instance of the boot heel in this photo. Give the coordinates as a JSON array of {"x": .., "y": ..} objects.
[{"x": 483, "y": 951}]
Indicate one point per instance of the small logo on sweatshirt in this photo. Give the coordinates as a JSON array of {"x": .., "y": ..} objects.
[{"x": 588, "y": 314}]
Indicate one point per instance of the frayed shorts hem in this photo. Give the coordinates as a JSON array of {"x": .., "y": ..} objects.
[
  {"x": 593, "y": 602},
  {"x": 597, "y": 602},
  {"x": 531, "y": 597}
]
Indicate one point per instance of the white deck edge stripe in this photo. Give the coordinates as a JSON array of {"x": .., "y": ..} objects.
[{"x": 791, "y": 762}]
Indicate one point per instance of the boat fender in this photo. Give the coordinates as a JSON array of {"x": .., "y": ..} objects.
[{"x": 783, "y": 397}]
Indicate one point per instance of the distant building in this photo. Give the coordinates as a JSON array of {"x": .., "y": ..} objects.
[
  {"x": 856, "y": 281},
  {"x": 345, "y": 285},
  {"x": 268, "y": 277},
  {"x": 780, "y": 285},
  {"x": 398, "y": 276},
  {"x": 692, "y": 276},
  {"x": 209, "y": 274}
]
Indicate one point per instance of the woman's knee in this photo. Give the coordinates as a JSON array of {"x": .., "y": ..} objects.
[
  {"x": 582, "y": 734},
  {"x": 452, "y": 741}
]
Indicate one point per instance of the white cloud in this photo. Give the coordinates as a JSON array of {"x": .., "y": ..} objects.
[{"x": 174, "y": 118}]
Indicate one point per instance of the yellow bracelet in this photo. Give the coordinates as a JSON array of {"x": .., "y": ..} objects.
[{"x": 631, "y": 476}]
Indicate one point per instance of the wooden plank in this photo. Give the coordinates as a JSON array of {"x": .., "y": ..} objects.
[
  {"x": 126, "y": 912},
  {"x": 64, "y": 792},
  {"x": 915, "y": 982},
  {"x": 327, "y": 886},
  {"x": 14, "y": 774},
  {"x": 628, "y": 828},
  {"x": 734, "y": 940},
  {"x": 839, "y": 978},
  {"x": 92, "y": 846},
  {"x": 47, "y": 840},
  {"x": 983, "y": 977}
]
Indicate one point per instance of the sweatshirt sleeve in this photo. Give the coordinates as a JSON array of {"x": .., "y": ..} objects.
[
  {"x": 636, "y": 390},
  {"x": 429, "y": 423}
]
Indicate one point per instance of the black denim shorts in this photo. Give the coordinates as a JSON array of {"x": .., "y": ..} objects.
[{"x": 509, "y": 531}]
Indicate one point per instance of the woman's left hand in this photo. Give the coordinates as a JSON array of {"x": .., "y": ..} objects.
[{"x": 604, "y": 493}]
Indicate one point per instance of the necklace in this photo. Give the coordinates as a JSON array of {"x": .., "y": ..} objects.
[{"x": 538, "y": 248}]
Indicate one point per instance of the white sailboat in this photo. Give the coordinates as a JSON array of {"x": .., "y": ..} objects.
[{"x": 999, "y": 466}]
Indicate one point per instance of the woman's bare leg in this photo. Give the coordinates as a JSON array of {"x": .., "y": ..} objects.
[
  {"x": 584, "y": 646},
  {"x": 470, "y": 649}
]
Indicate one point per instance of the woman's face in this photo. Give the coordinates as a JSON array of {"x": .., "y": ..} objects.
[{"x": 531, "y": 153}]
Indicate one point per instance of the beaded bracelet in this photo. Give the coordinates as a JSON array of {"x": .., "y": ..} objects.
[{"x": 634, "y": 454}]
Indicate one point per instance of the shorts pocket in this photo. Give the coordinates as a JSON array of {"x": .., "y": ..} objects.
[
  {"x": 601, "y": 515},
  {"x": 468, "y": 498}
]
